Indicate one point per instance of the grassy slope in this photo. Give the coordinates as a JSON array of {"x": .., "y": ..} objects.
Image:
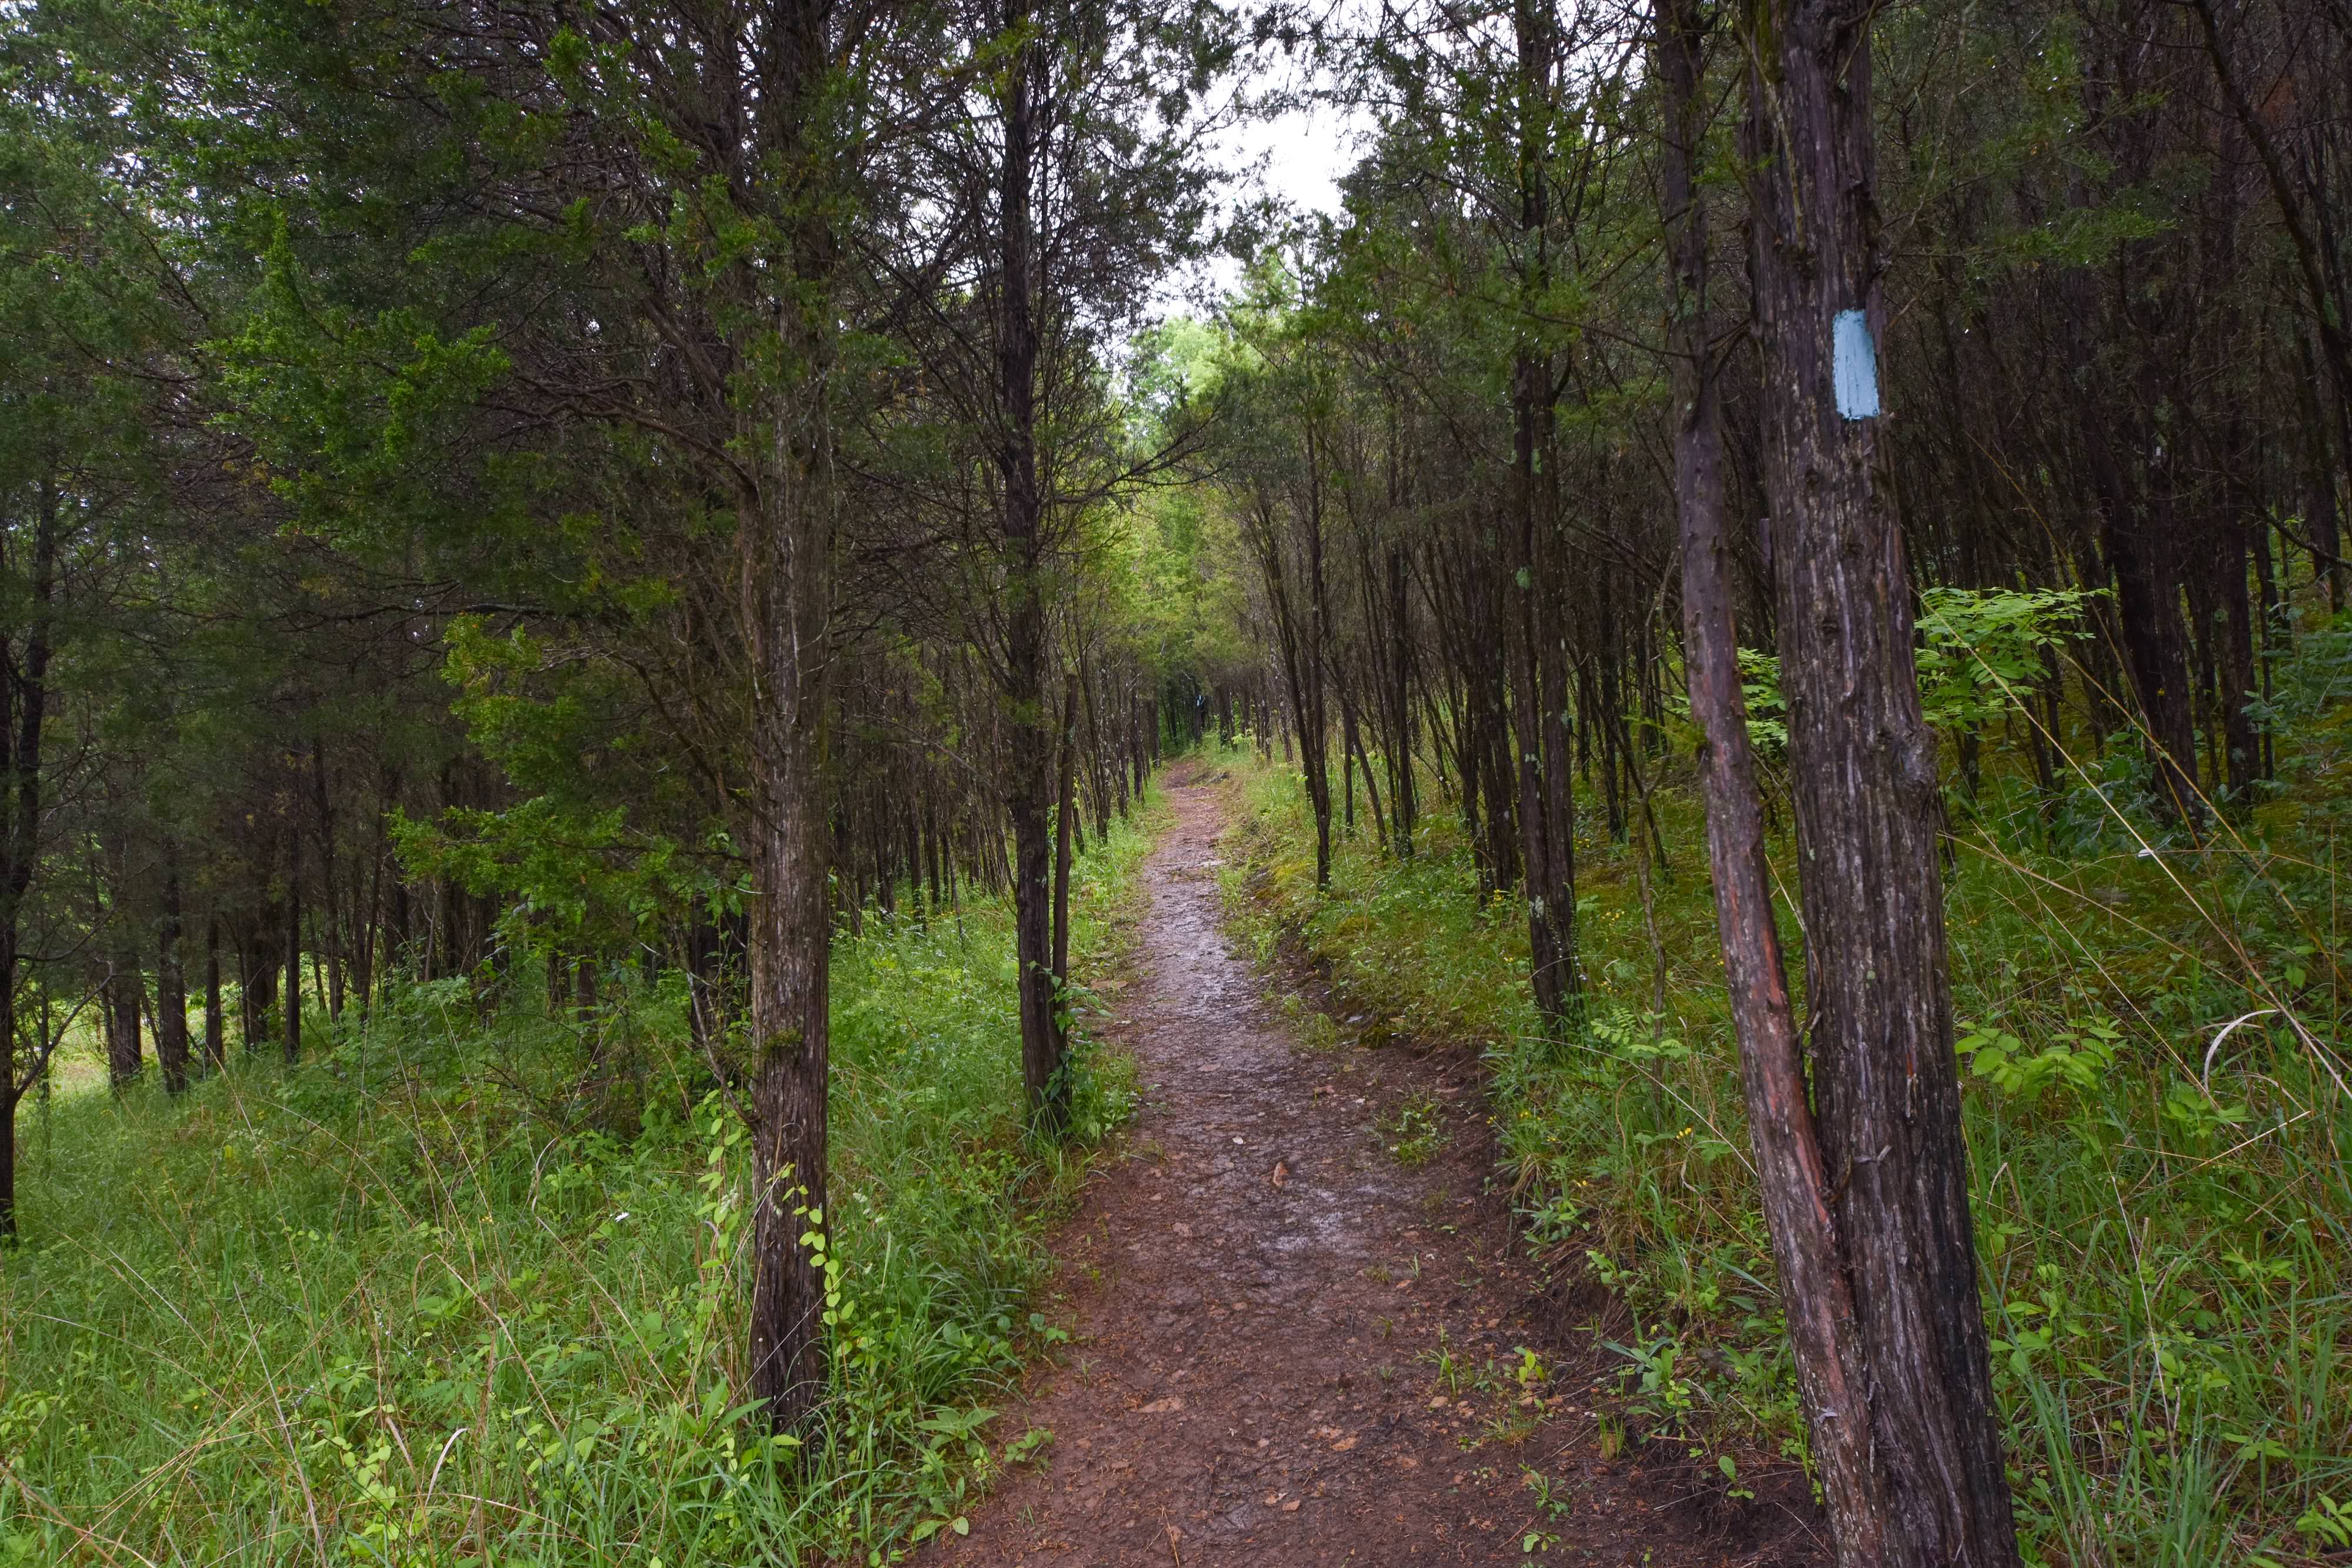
[
  {"x": 2165, "y": 1252},
  {"x": 405, "y": 1305}
]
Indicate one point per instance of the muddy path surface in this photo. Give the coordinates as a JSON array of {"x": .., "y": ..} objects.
[{"x": 1289, "y": 1346}]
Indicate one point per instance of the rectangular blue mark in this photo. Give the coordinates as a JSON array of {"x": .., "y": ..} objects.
[{"x": 1853, "y": 361}]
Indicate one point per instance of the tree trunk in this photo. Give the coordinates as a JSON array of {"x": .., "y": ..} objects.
[
  {"x": 1892, "y": 1172},
  {"x": 2323, "y": 526},
  {"x": 291, "y": 1018},
  {"x": 215, "y": 1035},
  {"x": 1315, "y": 717},
  {"x": 332, "y": 921},
  {"x": 788, "y": 536},
  {"x": 1402, "y": 792},
  {"x": 23, "y": 708},
  {"x": 787, "y": 540},
  {"x": 7, "y": 1161},
  {"x": 170, "y": 990},
  {"x": 125, "y": 1055},
  {"x": 258, "y": 979},
  {"x": 2318, "y": 265},
  {"x": 1065, "y": 823},
  {"x": 1029, "y": 742},
  {"x": 1790, "y": 1178},
  {"x": 2147, "y": 605},
  {"x": 1537, "y": 706},
  {"x": 2242, "y": 747}
]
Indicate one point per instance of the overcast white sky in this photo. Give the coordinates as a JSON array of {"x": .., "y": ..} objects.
[{"x": 1304, "y": 153}]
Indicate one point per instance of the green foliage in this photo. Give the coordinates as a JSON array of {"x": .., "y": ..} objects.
[
  {"x": 1979, "y": 654},
  {"x": 1759, "y": 689},
  {"x": 465, "y": 1289},
  {"x": 2076, "y": 1059},
  {"x": 1416, "y": 1130},
  {"x": 1980, "y": 650},
  {"x": 2162, "y": 1234}
]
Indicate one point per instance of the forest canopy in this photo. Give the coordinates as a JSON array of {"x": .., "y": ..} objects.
[{"x": 594, "y": 535}]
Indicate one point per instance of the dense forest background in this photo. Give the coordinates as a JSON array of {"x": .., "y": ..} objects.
[{"x": 591, "y": 597}]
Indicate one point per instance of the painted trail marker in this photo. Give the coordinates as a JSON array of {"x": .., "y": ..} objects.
[{"x": 1854, "y": 365}]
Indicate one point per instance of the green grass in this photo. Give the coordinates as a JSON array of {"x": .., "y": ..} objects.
[
  {"x": 2166, "y": 1248},
  {"x": 447, "y": 1294}
]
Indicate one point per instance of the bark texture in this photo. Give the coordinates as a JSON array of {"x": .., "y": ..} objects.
[
  {"x": 1538, "y": 668},
  {"x": 1032, "y": 732},
  {"x": 1885, "y": 1086},
  {"x": 1792, "y": 1183},
  {"x": 170, "y": 990},
  {"x": 786, "y": 524}
]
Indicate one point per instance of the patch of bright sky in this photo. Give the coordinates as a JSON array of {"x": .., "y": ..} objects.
[{"x": 1296, "y": 157}]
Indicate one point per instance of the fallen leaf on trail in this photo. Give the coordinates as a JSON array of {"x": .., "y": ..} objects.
[
  {"x": 1438, "y": 1403},
  {"x": 1281, "y": 1172},
  {"x": 1327, "y": 1431},
  {"x": 1291, "y": 1506},
  {"x": 1164, "y": 1405},
  {"x": 1272, "y": 1498},
  {"x": 1344, "y": 1444}
]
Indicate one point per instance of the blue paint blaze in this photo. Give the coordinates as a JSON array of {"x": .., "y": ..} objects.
[{"x": 1854, "y": 366}]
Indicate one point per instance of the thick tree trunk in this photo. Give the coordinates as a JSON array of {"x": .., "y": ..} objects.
[
  {"x": 788, "y": 537},
  {"x": 1885, "y": 1080},
  {"x": 786, "y": 541},
  {"x": 791, "y": 935},
  {"x": 1536, "y": 704},
  {"x": 1029, "y": 743},
  {"x": 1792, "y": 1183}
]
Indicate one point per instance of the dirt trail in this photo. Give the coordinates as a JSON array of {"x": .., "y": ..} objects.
[{"x": 1261, "y": 1290}]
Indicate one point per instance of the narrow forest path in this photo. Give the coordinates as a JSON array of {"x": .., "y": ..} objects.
[{"x": 1261, "y": 1292}]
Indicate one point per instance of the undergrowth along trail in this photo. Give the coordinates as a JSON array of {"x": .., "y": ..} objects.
[
  {"x": 467, "y": 1288},
  {"x": 2162, "y": 1223}
]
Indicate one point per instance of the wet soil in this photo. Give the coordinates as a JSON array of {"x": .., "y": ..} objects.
[{"x": 1291, "y": 1344}]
